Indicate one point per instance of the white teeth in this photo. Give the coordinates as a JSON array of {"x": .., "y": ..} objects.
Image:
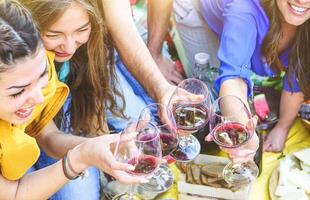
[{"x": 298, "y": 9}]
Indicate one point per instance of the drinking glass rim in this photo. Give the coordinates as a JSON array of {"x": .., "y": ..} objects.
[
  {"x": 153, "y": 138},
  {"x": 197, "y": 80},
  {"x": 231, "y": 115},
  {"x": 157, "y": 124}
]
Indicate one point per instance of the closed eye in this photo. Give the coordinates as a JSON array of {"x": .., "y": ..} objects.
[
  {"x": 17, "y": 94},
  {"x": 82, "y": 30},
  {"x": 51, "y": 36}
]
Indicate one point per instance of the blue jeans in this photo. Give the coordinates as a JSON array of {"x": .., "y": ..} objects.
[{"x": 79, "y": 189}]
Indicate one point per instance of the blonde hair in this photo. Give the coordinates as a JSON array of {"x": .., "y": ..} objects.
[{"x": 92, "y": 73}]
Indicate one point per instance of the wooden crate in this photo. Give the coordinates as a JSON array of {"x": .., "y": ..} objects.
[{"x": 189, "y": 191}]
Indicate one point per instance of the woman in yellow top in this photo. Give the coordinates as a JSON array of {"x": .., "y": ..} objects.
[{"x": 30, "y": 96}]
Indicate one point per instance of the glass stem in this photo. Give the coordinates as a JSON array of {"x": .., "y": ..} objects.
[{"x": 131, "y": 192}]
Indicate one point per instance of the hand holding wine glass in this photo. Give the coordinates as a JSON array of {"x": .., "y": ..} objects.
[
  {"x": 190, "y": 104},
  {"x": 140, "y": 147},
  {"x": 163, "y": 177},
  {"x": 232, "y": 127}
]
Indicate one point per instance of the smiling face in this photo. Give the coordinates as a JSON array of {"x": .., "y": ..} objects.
[
  {"x": 21, "y": 88},
  {"x": 294, "y": 12},
  {"x": 68, "y": 33}
]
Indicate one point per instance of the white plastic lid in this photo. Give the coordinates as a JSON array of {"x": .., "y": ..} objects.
[{"x": 202, "y": 58}]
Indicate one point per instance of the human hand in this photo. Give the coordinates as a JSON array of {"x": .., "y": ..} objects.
[
  {"x": 169, "y": 100},
  {"x": 245, "y": 152},
  {"x": 275, "y": 140},
  {"x": 98, "y": 152},
  {"x": 168, "y": 69}
]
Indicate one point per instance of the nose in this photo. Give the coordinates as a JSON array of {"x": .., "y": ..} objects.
[
  {"x": 69, "y": 45},
  {"x": 36, "y": 96}
]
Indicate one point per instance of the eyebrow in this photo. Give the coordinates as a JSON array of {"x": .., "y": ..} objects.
[
  {"x": 83, "y": 26},
  {"x": 23, "y": 86}
]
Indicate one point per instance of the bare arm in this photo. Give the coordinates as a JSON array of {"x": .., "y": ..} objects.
[
  {"x": 158, "y": 15},
  {"x": 132, "y": 48},
  {"x": 43, "y": 183},
  {"x": 238, "y": 87},
  {"x": 289, "y": 107},
  {"x": 37, "y": 185},
  {"x": 55, "y": 143},
  {"x": 158, "y": 18}
]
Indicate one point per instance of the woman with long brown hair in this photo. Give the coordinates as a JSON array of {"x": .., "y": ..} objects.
[
  {"x": 84, "y": 53},
  {"x": 30, "y": 96},
  {"x": 266, "y": 37}
]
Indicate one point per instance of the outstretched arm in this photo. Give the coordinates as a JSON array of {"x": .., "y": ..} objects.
[
  {"x": 157, "y": 31},
  {"x": 238, "y": 87},
  {"x": 132, "y": 49},
  {"x": 85, "y": 152}
]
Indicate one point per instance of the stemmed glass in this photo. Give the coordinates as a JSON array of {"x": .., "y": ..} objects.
[
  {"x": 190, "y": 104},
  {"x": 163, "y": 177},
  {"x": 139, "y": 145},
  {"x": 232, "y": 126}
]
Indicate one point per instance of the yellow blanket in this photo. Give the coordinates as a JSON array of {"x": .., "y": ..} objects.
[{"x": 298, "y": 138}]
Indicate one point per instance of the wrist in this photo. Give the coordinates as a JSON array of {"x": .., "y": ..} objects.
[
  {"x": 76, "y": 158},
  {"x": 161, "y": 90},
  {"x": 156, "y": 52}
]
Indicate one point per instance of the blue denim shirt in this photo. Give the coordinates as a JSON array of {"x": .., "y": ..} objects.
[{"x": 242, "y": 26}]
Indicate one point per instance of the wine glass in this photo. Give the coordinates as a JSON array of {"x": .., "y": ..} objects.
[
  {"x": 190, "y": 104},
  {"x": 139, "y": 145},
  {"x": 163, "y": 177},
  {"x": 232, "y": 126}
]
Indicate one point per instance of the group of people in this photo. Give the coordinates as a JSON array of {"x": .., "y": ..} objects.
[{"x": 58, "y": 75}]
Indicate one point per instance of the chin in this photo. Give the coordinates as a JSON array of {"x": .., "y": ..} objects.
[
  {"x": 62, "y": 59},
  {"x": 19, "y": 121}
]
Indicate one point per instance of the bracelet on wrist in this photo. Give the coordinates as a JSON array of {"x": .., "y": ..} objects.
[{"x": 67, "y": 168}]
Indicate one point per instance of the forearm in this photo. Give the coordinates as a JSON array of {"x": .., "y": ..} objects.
[
  {"x": 236, "y": 87},
  {"x": 289, "y": 107},
  {"x": 42, "y": 183},
  {"x": 37, "y": 185},
  {"x": 131, "y": 47},
  {"x": 55, "y": 143},
  {"x": 158, "y": 26}
]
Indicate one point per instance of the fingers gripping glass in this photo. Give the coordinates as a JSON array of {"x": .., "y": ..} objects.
[
  {"x": 140, "y": 147},
  {"x": 190, "y": 104},
  {"x": 162, "y": 117},
  {"x": 232, "y": 127}
]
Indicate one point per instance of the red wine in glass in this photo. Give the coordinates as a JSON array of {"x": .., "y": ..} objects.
[
  {"x": 232, "y": 134},
  {"x": 190, "y": 117},
  {"x": 168, "y": 142},
  {"x": 144, "y": 164}
]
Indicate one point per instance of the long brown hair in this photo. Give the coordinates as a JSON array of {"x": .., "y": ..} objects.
[
  {"x": 92, "y": 73},
  {"x": 299, "y": 60}
]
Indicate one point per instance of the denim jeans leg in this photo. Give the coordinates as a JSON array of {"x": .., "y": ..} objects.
[{"x": 82, "y": 189}]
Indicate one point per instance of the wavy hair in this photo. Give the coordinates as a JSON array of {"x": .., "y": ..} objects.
[
  {"x": 92, "y": 73},
  {"x": 299, "y": 60},
  {"x": 19, "y": 37}
]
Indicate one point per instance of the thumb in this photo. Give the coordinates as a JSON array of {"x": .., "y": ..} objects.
[
  {"x": 255, "y": 120},
  {"x": 209, "y": 138}
]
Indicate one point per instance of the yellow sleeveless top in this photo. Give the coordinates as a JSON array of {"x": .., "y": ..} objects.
[{"x": 18, "y": 147}]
